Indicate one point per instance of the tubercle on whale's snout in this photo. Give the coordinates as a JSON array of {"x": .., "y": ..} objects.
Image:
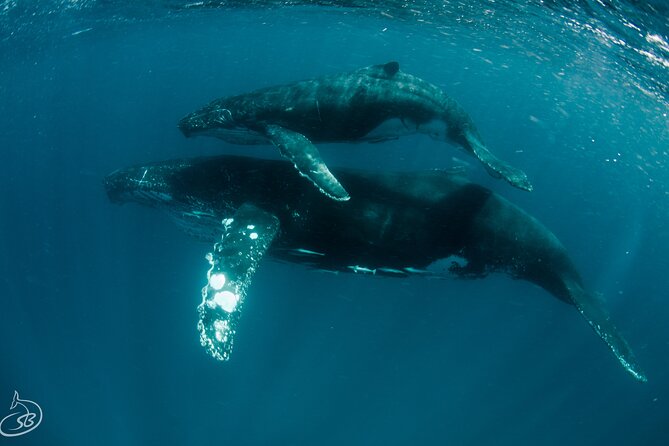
[
  {"x": 207, "y": 118},
  {"x": 113, "y": 188},
  {"x": 184, "y": 125}
]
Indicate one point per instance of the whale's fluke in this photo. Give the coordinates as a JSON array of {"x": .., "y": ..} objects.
[
  {"x": 600, "y": 321},
  {"x": 495, "y": 166}
]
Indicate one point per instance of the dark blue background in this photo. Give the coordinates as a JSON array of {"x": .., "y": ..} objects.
[{"x": 97, "y": 315}]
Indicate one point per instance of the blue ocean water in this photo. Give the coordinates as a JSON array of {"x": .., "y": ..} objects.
[{"x": 98, "y": 319}]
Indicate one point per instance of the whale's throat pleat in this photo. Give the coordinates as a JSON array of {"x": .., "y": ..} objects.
[{"x": 240, "y": 136}]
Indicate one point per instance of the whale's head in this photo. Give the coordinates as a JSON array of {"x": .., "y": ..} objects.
[
  {"x": 210, "y": 120},
  {"x": 196, "y": 209},
  {"x": 147, "y": 184},
  {"x": 217, "y": 120}
]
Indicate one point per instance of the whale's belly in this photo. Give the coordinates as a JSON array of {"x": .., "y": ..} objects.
[{"x": 396, "y": 127}]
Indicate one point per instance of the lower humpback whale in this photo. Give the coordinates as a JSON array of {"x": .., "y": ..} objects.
[
  {"x": 396, "y": 225},
  {"x": 370, "y": 104}
]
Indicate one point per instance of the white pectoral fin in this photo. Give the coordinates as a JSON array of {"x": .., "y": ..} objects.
[
  {"x": 246, "y": 238},
  {"x": 307, "y": 160},
  {"x": 593, "y": 311},
  {"x": 495, "y": 166}
]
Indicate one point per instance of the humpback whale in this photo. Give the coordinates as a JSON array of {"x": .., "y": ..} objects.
[
  {"x": 370, "y": 104},
  {"x": 395, "y": 225}
]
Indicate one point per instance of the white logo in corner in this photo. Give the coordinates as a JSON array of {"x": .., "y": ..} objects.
[{"x": 26, "y": 416}]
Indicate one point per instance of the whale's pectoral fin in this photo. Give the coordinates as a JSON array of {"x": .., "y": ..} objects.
[
  {"x": 594, "y": 312},
  {"x": 495, "y": 166},
  {"x": 307, "y": 160},
  {"x": 246, "y": 237}
]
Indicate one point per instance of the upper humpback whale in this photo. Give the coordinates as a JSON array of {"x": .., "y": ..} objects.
[
  {"x": 395, "y": 224},
  {"x": 370, "y": 104}
]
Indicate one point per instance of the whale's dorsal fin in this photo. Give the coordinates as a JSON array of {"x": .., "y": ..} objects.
[
  {"x": 246, "y": 237},
  {"x": 307, "y": 160},
  {"x": 391, "y": 68},
  {"x": 382, "y": 71}
]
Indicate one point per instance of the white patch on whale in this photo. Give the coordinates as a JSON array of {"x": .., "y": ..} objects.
[
  {"x": 306, "y": 252},
  {"x": 361, "y": 269},
  {"x": 221, "y": 330},
  {"x": 391, "y": 271},
  {"x": 217, "y": 280},
  {"x": 443, "y": 266},
  {"x": 227, "y": 300},
  {"x": 390, "y": 128}
]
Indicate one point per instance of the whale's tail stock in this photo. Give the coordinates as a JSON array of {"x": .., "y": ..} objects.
[{"x": 536, "y": 255}]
